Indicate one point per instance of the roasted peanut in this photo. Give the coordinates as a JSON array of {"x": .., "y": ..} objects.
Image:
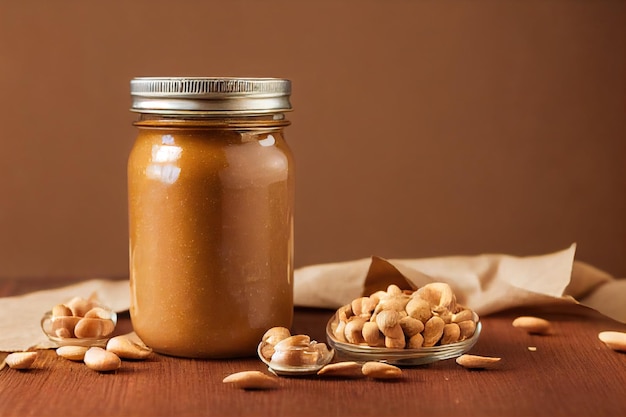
[
  {"x": 251, "y": 380},
  {"x": 93, "y": 328},
  {"x": 73, "y": 353},
  {"x": 101, "y": 360},
  {"x": 275, "y": 335},
  {"x": 439, "y": 295},
  {"x": 354, "y": 330},
  {"x": 419, "y": 309},
  {"x": 372, "y": 335},
  {"x": 379, "y": 370},
  {"x": 411, "y": 326},
  {"x": 20, "y": 360},
  {"x": 451, "y": 334},
  {"x": 299, "y": 350},
  {"x": 342, "y": 369},
  {"x": 614, "y": 340},
  {"x": 477, "y": 362},
  {"x": 128, "y": 346},
  {"x": 433, "y": 330},
  {"x": 79, "y": 306},
  {"x": 465, "y": 314},
  {"x": 533, "y": 325},
  {"x": 364, "y": 306},
  {"x": 61, "y": 310},
  {"x": 387, "y": 319},
  {"x": 416, "y": 341},
  {"x": 467, "y": 329}
]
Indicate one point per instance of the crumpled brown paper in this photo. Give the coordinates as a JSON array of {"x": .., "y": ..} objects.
[
  {"x": 20, "y": 321},
  {"x": 484, "y": 283}
]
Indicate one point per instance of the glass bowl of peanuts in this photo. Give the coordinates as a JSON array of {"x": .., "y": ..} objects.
[
  {"x": 79, "y": 322},
  {"x": 404, "y": 327}
]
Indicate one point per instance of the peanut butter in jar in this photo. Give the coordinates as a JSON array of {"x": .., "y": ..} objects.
[{"x": 211, "y": 190}]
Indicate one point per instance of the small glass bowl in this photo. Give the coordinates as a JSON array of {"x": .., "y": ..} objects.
[
  {"x": 50, "y": 323},
  {"x": 400, "y": 357},
  {"x": 293, "y": 370}
]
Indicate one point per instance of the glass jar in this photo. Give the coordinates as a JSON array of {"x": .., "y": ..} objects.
[{"x": 211, "y": 195}]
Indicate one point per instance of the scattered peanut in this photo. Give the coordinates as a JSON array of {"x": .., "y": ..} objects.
[
  {"x": 251, "y": 380},
  {"x": 533, "y": 325},
  {"x": 128, "y": 346},
  {"x": 101, "y": 360},
  {"x": 342, "y": 369},
  {"x": 477, "y": 362},
  {"x": 73, "y": 353},
  {"x": 20, "y": 360},
  {"x": 380, "y": 370},
  {"x": 614, "y": 340},
  {"x": 400, "y": 319}
]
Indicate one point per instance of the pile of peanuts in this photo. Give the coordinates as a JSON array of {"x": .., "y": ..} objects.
[
  {"x": 409, "y": 319},
  {"x": 81, "y": 318}
]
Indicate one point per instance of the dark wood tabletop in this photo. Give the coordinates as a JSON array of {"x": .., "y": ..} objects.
[{"x": 568, "y": 373}]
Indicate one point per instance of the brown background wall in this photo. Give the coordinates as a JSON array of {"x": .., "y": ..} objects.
[{"x": 421, "y": 128}]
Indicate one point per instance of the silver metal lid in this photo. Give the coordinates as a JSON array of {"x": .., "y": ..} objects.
[{"x": 204, "y": 95}]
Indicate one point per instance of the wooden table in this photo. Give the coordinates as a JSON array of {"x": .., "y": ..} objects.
[{"x": 571, "y": 373}]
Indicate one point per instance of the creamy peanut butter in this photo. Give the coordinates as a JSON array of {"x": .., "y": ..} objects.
[{"x": 211, "y": 232}]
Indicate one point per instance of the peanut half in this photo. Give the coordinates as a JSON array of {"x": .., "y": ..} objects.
[
  {"x": 477, "y": 362},
  {"x": 100, "y": 360},
  {"x": 73, "y": 353},
  {"x": 614, "y": 340},
  {"x": 21, "y": 360},
  {"x": 342, "y": 369},
  {"x": 128, "y": 346},
  {"x": 533, "y": 325},
  {"x": 380, "y": 370},
  {"x": 251, "y": 380}
]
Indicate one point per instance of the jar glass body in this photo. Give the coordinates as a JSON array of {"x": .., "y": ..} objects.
[{"x": 211, "y": 233}]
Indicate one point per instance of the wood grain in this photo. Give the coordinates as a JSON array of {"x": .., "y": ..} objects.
[{"x": 571, "y": 373}]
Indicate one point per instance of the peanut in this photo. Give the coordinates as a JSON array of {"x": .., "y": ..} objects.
[
  {"x": 451, "y": 334},
  {"x": 379, "y": 370},
  {"x": 73, "y": 353},
  {"x": 416, "y": 341},
  {"x": 342, "y": 369},
  {"x": 411, "y": 326},
  {"x": 101, "y": 360},
  {"x": 354, "y": 330},
  {"x": 614, "y": 340},
  {"x": 20, "y": 360},
  {"x": 533, "y": 325},
  {"x": 251, "y": 380},
  {"x": 372, "y": 334},
  {"x": 467, "y": 329},
  {"x": 433, "y": 330},
  {"x": 465, "y": 314},
  {"x": 128, "y": 346},
  {"x": 79, "y": 306},
  {"x": 61, "y": 310},
  {"x": 419, "y": 309},
  {"x": 363, "y": 306},
  {"x": 477, "y": 362},
  {"x": 93, "y": 328},
  {"x": 439, "y": 295},
  {"x": 275, "y": 335}
]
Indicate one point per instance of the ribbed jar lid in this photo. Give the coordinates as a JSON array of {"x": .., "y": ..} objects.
[{"x": 209, "y": 95}]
